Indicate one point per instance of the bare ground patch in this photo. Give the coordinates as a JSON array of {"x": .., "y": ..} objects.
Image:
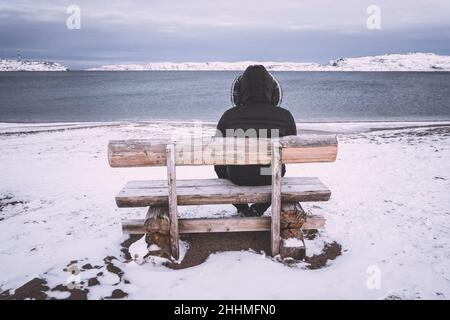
[{"x": 8, "y": 200}]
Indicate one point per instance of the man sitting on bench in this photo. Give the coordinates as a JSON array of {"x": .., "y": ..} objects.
[{"x": 256, "y": 96}]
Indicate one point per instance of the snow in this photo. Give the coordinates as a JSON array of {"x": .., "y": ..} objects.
[
  {"x": 29, "y": 65},
  {"x": 315, "y": 246},
  {"x": 389, "y": 210},
  {"x": 387, "y": 62},
  {"x": 203, "y": 66},
  {"x": 293, "y": 242},
  {"x": 138, "y": 250},
  {"x": 394, "y": 62}
]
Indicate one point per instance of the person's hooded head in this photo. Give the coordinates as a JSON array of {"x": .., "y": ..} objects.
[{"x": 256, "y": 86}]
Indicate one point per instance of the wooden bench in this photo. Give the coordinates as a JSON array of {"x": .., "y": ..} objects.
[{"x": 162, "y": 225}]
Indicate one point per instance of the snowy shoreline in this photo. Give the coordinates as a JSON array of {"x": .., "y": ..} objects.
[
  {"x": 390, "y": 208},
  {"x": 408, "y": 62},
  {"x": 20, "y": 65},
  {"x": 344, "y": 127},
  {"x": 388, "y": 62}
]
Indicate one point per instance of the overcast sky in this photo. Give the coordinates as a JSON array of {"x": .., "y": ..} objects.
[{"x": 137, "y": 31}]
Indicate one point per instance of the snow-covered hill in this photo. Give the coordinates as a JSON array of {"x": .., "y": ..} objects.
[
  {"x": 30, "y": 65},
  {"x": 394, "y": 62},
  {"x": 388, "y": 62},
  {"x": 206, "y": 66}
]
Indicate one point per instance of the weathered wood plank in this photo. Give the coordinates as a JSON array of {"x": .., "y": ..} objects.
[
  {"x": 212, "y": 225},
  {"x": 219, "y": 191},
  {"x": 309, "y": 154},
  {"x": 314, "y": 222},
  {"x": 225, "y": 183},
  {"x": 276, "y": 198},
  {"x": 172, "y": 201},
  {"x": 133, "y": 226},
  {"x": 203, "y": 225},
  {"x": 213, "y": 150}
]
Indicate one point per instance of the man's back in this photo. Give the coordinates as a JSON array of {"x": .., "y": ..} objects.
[
  {"x": 258, "y": 117},
  {"x": 256, "y": 109}
]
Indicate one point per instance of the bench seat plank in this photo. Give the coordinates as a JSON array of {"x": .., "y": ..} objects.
[{"x": 219, "y": 191}]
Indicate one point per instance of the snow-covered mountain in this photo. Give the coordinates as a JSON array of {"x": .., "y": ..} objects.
[
  {"x": 388, "y": 62},
  {"x": 30, "y": 65}
]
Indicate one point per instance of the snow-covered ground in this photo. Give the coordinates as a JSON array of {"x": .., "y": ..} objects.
[
  {"x": 390, "y": 211},
  {"x": 30, "y": 65},
  {"x": 387, "y": 62}
]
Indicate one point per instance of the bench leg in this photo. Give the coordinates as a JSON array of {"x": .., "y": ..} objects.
[
  {"x": 276, "y": 198},
  {"x": 172, "y": 193},
  {"x": 292, "y": 219},
  {"x": 156, "y": 226}
]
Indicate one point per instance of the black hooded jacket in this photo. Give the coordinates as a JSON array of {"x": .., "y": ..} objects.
[{"x": 255, "y": 111}]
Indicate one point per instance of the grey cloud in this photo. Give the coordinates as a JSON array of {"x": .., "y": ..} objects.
[{"x": 143, "y": 31}]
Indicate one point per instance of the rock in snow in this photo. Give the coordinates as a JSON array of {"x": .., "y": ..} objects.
[
  {"x": 388, "y": 62},
  {"x": 30, "y": 65}
]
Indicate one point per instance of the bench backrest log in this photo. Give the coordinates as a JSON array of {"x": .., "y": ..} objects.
[{"x": 222, "y": 151}]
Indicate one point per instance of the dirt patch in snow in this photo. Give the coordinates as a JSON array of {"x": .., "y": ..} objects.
[
  {"x": 202, "y": 245},
  {"x": 8, "y": 200},
  {"x": 34, "y": 289},
  {"x": 127, "y": 243},
  {"x": 38, "y": 288},
  {"x": 330, "y": 252}
]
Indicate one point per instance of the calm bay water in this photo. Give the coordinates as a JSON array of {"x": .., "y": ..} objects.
[{"x": 310, "y": 96}]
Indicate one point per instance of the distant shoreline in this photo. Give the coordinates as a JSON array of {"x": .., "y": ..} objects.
[
  {"x": 187, "y": 71},
  {"x": 417, "y": 61}
]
